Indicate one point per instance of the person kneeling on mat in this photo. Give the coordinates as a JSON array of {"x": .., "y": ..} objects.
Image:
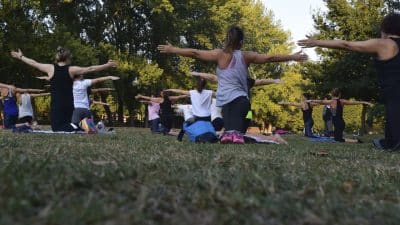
[{"x": 82, "y": 116}]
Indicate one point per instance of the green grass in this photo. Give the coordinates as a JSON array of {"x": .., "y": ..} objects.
[{"x": 138, "y": 178}]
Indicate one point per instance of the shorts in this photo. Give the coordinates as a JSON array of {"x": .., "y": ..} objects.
[
  {"x": 79, "y": 114},
  {"x": 26, "y": 119}
]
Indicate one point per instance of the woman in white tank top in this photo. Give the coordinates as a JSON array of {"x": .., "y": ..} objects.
[{"x": 232, "y": 72}]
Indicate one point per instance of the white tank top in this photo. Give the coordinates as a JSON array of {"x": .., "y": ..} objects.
[
  {"x": 25, "y": 108},
  {"x": 201, "y": 102}
]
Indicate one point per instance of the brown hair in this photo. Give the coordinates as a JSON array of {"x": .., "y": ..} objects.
[
  {"x": 234, "y": 39},
  {"x": 336, "y": 93},
  {"x": 391, "y": 24},
  {"x": 63, "y": 55},
  {"x": 201, "y": 84}
]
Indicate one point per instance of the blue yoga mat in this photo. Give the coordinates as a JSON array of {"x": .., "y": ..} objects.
[{"x": 323, "y": 140}]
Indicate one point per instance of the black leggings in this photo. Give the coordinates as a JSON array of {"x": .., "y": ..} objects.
[
  {"x": 339, "y": 125},
  {"x": 234, "y": 114},
  {"x": 166, "y": 121},
  {"x": 61, "y": 118},
  {"x": 392, "y": 125}
]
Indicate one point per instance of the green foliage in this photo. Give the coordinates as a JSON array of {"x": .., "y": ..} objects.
[{"x": 265, "y": 99}]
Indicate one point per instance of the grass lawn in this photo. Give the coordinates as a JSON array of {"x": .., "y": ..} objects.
[{"x": 138, "y": 178}]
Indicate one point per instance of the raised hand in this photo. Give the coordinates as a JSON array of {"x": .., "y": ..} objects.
[
  {"x": 17, "y": 54},
  {"x": 166, "y": 49},
  {"x": 300, "y": 56},
  {"x": 114, "y": 78},
  {"x": 368, "y": 104},
  {"x": 196, "y": 74},
  {"x": 307, "y": 43},
  {"x": 112, "y": 63}
]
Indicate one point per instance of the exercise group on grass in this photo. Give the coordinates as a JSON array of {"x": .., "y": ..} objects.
[{"x": 223, "y": 115}]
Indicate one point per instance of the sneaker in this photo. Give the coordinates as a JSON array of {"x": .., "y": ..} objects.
[
  {"x": 227, "y": 138},
  {"x": 88, "y": 126},
  {"x": 238, "y": 138}
]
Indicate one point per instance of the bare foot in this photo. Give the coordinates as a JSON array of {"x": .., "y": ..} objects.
[{"x": 279, "y": 139}]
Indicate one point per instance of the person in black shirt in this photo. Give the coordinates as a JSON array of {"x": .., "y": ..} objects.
[
  {"x": 336, "y": 104},
  {"x": 61, "y": 74},
  {"x": 327, "y": 118},
  {"x": 387, "y": 63},
  {"x": 307, "y": 109}
]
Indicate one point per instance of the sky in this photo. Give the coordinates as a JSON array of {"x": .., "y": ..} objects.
[{"x": 296, "y": 17}]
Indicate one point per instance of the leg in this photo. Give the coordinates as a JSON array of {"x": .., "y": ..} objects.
[
  {"x": 308, "y": 128},
  {"x": 246, "y": 125},
  {"x": 181, "y": 133},
  {"x": 218, "y": 124},
  {"x": 329, "y": 124},
  {"x": 392, "y": 126},
  {"x": 226, "y": 112},
  {"x": 10, "y": 121},
  {"x": 61, "y": 119},
  {"x": 338, "y": 130},
  {"x": 240, "y": 107},
  {"x": 76, "y": 116}
]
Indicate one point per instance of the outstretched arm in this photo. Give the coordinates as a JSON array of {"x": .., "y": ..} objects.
[
  {"x": 320, "y": 102},
  {"x": 146, "y": 102},
  {"x": 206, "y": 76},
  {"x": 177, "y": 98},
  {"x": 256, "y": 58},
  {"x": 45, "y": 68},
  {"x": 178, "y": 91},
  {"x": 100, "y": 103},
  {"x": 77, "y": 70},
  {"x": 6, "y": 86},
  {"x": 298, "y": 105},
  {"x": 43, "y": 78},
  {"x": 147, "y": 98},
  {"x": 39, "y": 95},
  {"x": 21, "y": 90},
  {"x": 373, "y": 46},
  {"x": 348, "y": 102},
  {"x": 97, "y": 90},
  {"x": 206, "y": 55},
  {"x": 262, "y": 82},
  {"x": 101, "y": 79}
]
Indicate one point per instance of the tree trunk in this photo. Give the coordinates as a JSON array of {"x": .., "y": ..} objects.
[
  {"x": 363, "y": 129},
  {"x": 120, "y": 111},
  {"x": 103, "y": 98}
]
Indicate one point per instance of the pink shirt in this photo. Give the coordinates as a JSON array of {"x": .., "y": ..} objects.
[{"x": 153, "y": 109}]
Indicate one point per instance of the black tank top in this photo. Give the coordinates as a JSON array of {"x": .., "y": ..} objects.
[
  {"x": 61, "y": 87},
  {"x": 307, "y": 114},
  {"x": 166, "y": 107},
  {"x": 389, "y": 70},
  {"x": 338, "y": 112}
]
